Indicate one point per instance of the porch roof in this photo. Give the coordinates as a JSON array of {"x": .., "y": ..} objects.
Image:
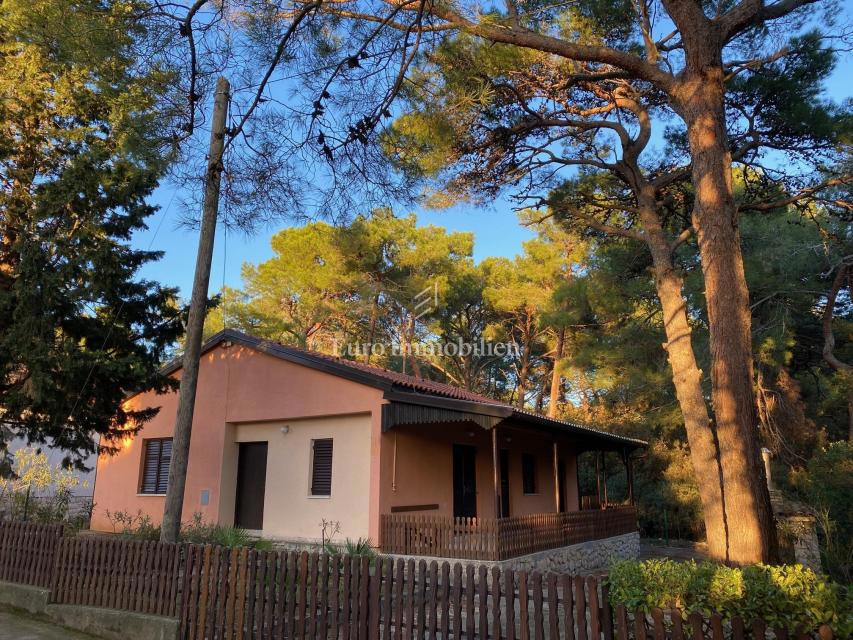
[
  {"x": 413, "y": 400},
  {"x": 418, "y": 408}
]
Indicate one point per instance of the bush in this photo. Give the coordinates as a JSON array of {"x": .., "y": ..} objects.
[
  {"x": 199, "y": 532},
  {"x": 827, "y": 485},
  {"x": 788, "y": 596},
  {"x": 350, "y": 547},
  {"x": 133, "y": 527},
  {"x": 38, "y": 491}
]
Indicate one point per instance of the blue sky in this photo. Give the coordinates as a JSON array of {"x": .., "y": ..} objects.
[
  {"x": 496, "y": 229},
  {"x": 496, "y": 232}
]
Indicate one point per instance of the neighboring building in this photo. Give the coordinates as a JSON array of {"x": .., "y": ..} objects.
[{"x": 285, "y": 438}]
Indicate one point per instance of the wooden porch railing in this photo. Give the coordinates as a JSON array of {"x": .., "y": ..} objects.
[{"x": 502, "y": 538}]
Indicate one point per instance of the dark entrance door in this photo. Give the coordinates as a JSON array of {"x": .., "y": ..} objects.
[
  {"x": 561, "y": 483},
  {"x": 464, "y": 481},
  {"x": 251, "y": 481},
  {"x": 504, "y": 469}
]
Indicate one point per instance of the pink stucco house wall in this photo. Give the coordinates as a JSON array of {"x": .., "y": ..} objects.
[{"x": 345, "y": 442}]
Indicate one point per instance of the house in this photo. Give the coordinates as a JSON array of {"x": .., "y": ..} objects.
[{"x": 284, "y": 438}]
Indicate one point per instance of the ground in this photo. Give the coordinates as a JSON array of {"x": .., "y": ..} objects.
[
  {"x": 18, "y": 626},
  {"x": 673, "y": 549}
]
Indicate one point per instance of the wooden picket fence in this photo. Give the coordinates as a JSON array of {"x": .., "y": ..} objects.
[
  {"x": 501, "y": 538},
  {"x": 247, "y": 594},
  {"x": 27, "y": 552},
  {"x": 131, "y": 575}
]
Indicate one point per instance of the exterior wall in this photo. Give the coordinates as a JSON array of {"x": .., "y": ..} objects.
[
  {"x": 423, "y": 473},
  {"x": 237, "y": 385},
  {"x": 289, "y": 510}
]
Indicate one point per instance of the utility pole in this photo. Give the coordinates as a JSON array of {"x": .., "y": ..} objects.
[{"x": 171, "y": 525}]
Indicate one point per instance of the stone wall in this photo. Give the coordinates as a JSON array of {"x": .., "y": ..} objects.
[
  {"x": 586, "y": 557},
  {"x": 805, "y": 544}
]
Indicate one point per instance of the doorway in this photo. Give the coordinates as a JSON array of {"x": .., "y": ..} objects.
[
  {"x": 504, "y": 470},
  {"x": 251, "y": 484},
  {"x": 464, "y": 481}
]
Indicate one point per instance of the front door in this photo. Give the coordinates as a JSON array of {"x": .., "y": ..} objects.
[
  {"x": 504, "y": 469},
  {"x": 464, "y": 481},
  {"x": 251, "y": 482}
]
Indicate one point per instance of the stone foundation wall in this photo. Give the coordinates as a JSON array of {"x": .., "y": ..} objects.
[{"x": 586, "y": 557}]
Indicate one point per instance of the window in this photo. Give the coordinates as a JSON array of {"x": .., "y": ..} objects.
[
  {"x": 321, "y": 467},
  {"x": 528, "y": 473},
  {"x": 155, "y": 465}
]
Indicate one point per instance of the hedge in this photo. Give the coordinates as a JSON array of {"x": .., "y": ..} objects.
[{"x": 789, "y": 596}]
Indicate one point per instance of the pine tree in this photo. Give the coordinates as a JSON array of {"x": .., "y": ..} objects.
[{"x": 82, "y": 146}]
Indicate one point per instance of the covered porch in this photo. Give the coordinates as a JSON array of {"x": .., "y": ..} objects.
[{"x": 490, "y": 482}]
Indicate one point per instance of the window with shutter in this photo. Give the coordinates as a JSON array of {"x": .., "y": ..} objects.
[
  {"x": 321, "y": 467},
  {"x": 155, "y": 465}
]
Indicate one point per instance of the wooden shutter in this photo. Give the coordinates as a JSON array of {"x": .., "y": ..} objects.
[
  {"x": 321, "y": 468},
  {"x": 155, "y": 465},
  {"x": 163, "y": 466}
]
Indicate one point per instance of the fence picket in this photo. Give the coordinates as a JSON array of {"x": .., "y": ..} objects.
[
  {"x": 594, "y": 611},
  {"x": 445, "y": 599},
  {"x": 580, "y": 608},
  {"x": 523, "y": 617}
]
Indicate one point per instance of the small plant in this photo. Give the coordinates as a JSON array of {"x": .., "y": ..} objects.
[
  {"x": 133, "y": 526},
  {"x": 350, "y": 547},
  {"x": 328, "y": 530}
]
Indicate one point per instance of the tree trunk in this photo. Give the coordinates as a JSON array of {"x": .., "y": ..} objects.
[
  {"x": 523, "y": 372},
  {"x": 747, "y": 500},
  {"x": 409, "y": 338},
  {"x": 556, "y": 378},
  {"x": 171, "y": 525},
  {"x": 371, "y": 330},
  {"x": 686, "y": 377}
]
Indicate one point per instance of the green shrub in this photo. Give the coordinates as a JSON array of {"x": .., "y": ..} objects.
[
  {"x": 788, "y": 596},
  {"x": 197, "y": 531},
  {"x": 827, "y": 486},
  {"x": 134, "y": 527},
  {"x": 350, "y": 547}
]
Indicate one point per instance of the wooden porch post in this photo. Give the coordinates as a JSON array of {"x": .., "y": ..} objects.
[
  {"x": 495, "y": 474},
  {"x": 604, "y": 475},
  {"x": 598, "y": 477},
  {"x": 629, "y": 473},
  {"x": 556, "y": 480}
]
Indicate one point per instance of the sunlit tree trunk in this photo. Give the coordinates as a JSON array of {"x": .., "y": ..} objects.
[
  {"x": 556, "y": 378},
  {"x": 686, "y": 377},
  {"x": 747, "y": 500}
]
